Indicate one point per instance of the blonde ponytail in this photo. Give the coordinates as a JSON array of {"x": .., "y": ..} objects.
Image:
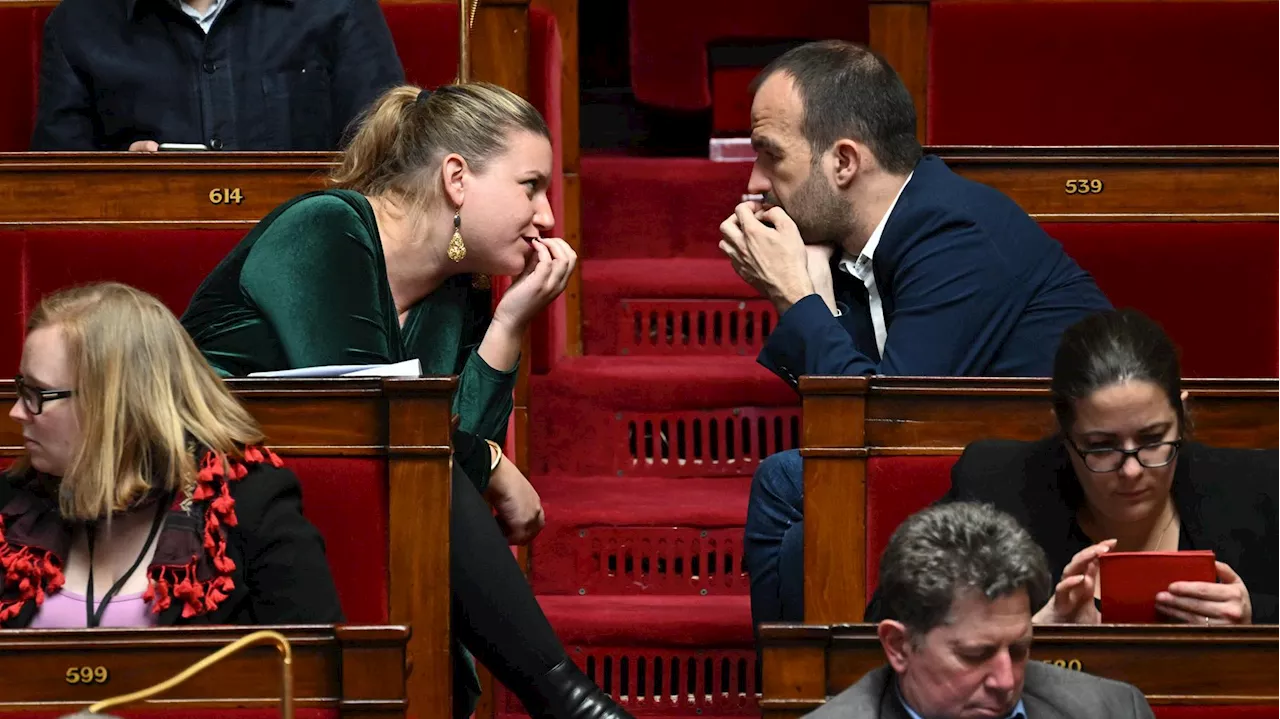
[{"x": 403, "y": 136}]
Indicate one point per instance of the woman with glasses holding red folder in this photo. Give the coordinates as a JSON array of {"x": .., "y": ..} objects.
[{"x": 1124, "y": 475}]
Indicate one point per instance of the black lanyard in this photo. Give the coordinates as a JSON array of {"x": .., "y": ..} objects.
[{"x": 93, "y": 618}]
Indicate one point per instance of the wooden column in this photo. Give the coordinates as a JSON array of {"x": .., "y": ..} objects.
[
  {"x": 900, "y": 32},
  {"x": 500, "y": 44},
  {"x": 570, "y": 225},
  {"x": 835, "y": 490},
  {"x": 419, "y": 562}
]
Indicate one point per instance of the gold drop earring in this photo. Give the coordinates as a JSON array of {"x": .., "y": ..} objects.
[{"x": 457, "y": 248}]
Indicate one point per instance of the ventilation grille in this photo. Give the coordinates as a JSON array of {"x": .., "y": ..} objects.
[
  {"x": 694, "y": 327},
  {"x": 669, "y": 682},
  {"x": 659, "y": 560},
  {"x": 702, "y": 444}
]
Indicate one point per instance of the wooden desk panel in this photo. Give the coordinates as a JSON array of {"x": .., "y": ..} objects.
[
  {"x": 848, "y": 419},
  {"x": 178, "y": 189},
  {"x": 166, "y": 189},
  {"x": 1128, "y": 184},
  {"x": 806, "y": 664},
  {"x": 406, "y": 421},
  {"x": 361, "y": 671}
]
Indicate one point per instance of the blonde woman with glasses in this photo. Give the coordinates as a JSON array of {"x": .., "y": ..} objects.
[{"x": 145, "y": 496}]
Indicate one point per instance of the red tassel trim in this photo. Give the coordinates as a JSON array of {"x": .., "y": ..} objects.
[
  {"x": 169, "y": 583},
  {"x": 34, "y": 572}
]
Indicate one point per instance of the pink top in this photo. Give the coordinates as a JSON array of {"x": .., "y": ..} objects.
[{"x": 66, "y": 610}]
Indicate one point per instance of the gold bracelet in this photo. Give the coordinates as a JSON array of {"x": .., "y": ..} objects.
[{"x": 495, "y": 454}]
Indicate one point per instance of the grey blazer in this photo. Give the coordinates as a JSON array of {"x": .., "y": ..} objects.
[{"x": 1048, "y": 692}]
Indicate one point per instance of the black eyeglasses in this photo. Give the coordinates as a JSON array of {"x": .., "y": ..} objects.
[
  {"x": 1110, "y": 459},
  {"x": 33, "y": 398}
]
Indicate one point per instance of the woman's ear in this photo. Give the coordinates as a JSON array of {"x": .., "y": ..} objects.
[{"x": 453, "y": 173}]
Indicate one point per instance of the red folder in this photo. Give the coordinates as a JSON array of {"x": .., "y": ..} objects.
[{"x": 1131, "y": 580}]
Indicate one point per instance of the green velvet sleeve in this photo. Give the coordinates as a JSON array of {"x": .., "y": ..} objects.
[
  {"x": 484, "y": 398},
  {"x": 315, "y": 276}
]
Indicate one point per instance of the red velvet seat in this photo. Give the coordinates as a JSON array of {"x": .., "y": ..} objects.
[
  {"x": 670, "y": 38},
  {"x": 346, "y": 498},
  {"x": 169, "y": 264},
  {"x": 13, "y": 316},
  {"x": 1042, "y": 72},
  {"x": 1213, "y": 286},
  {"x": 898, "y": 487},
  {"x": 426, "y": 38},
  {"x": 20, "y": 31}
]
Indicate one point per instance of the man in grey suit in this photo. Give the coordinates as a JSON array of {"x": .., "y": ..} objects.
[{"x": 959, "y": 582}]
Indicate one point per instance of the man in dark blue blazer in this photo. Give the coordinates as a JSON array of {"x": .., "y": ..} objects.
[{"x": 878, "y": 261}]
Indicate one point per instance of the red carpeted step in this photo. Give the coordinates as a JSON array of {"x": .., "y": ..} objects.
[
  {"x": 659, "y": 416},
  {"x": 671, "y": 307},
  {"x": 711, "y": 621},
  {"x": 636, "y": 207},
  {"x": 660, "y": 656},
  {"x": 644, "y": 535}
]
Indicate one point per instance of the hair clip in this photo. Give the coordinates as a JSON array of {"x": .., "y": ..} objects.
[{"x": 423, "y": 96}]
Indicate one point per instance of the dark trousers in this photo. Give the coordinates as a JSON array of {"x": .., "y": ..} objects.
[{"x": 773, "y": 549}]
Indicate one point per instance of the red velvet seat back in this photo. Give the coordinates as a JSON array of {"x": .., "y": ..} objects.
[
  {"x": 669, "y": 39},
  {"x": 12, "y": 308},
  {"x": 1213, "y": 286},
  {"x": 170, "y": 264},
  {"x": 426, "y": 38},
  {"x": 898, "y": 487},
  {"x": 546, "y": 64},
  {"x": 21, "y": 30},
  {"x": 346, "y": 498},
  {"x": 1037, "y": 72}
]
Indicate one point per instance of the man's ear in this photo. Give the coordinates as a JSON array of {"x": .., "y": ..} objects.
[
  {"x": 453, "y": 171},
  {"x": 896, "y": 643},
  {"x": 848, "y": 157}
]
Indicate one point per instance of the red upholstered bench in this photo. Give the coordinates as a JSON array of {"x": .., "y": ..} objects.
[
  {"x": 21, "y": 27},
  {"x": 1042, "y": 72},
  {"x": 670, "y": 40},
  {"x": 898, "y": 487},
  {"x": 346, "y": 498},
  {"x": 1212, "y": 285},
  {"x": 167, "y": 263}
]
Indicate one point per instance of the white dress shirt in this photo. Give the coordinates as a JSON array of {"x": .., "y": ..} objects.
[
  {"x": 861, "y": 268},
  {"x": 206, "y": 18}
]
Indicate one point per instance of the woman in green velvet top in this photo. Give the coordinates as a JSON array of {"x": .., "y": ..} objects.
[{"x": 434, "y": 189}]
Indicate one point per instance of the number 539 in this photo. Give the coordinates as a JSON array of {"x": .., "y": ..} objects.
[{"x": 1084, "y": 187}]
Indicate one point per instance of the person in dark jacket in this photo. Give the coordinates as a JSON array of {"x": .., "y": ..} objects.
[
  {"x": 878, "y": 261},
  {"x": 247, "y": 75},
  {"x": 1124, "y": 475},
  {"x": 145, "y": 496}
]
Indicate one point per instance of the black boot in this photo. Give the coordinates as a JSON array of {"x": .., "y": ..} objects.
[{"x": 567, "y": 693}]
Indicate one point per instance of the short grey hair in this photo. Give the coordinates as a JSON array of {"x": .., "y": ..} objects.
[{"x": 948, "y": 549}]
